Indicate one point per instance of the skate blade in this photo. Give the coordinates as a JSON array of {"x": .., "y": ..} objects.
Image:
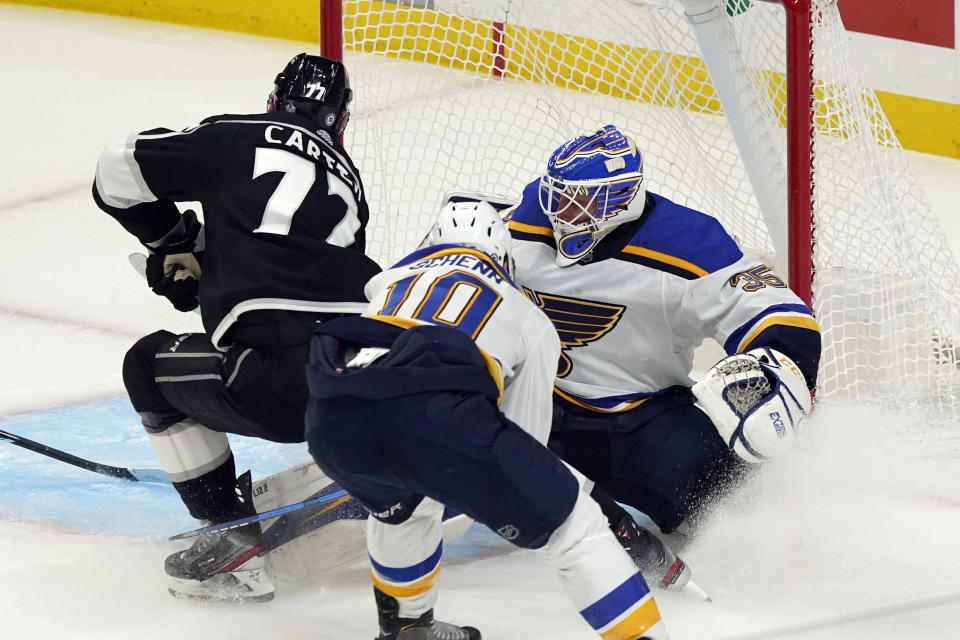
[
  {"x": 692, "y": 587},
  {"x": 235, "y": 586}
]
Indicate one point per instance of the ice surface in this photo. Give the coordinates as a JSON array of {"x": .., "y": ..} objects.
[{"x": 854, "y": 536}]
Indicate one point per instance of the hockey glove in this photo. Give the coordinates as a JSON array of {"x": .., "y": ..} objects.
[
  {"x": 173, "y": 269},
  {"x": 757, "y": 401}
]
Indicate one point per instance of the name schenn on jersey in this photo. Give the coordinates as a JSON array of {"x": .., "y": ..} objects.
[
  {"x": 288, "y": 137},
  {"x": 466, "y": 261}
]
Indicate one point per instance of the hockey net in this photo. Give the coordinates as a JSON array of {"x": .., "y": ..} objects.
[{"x": 475, "y": 94}]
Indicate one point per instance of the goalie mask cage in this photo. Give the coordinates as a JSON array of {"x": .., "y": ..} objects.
[{"x": 754, "y": 112}]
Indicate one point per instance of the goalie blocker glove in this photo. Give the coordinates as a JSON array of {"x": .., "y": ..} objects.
[
  {"x": 173, "y": 267},
  {"x": 757, "y": 400}
]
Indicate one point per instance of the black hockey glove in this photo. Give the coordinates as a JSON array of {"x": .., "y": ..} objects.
[{"x": 173, "y": 270}]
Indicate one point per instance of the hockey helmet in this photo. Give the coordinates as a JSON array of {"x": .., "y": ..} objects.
[
  {"x": 593, "y": 184},
  {"x": 315, "y": 87},
  {"x": 472, "y": 223}
]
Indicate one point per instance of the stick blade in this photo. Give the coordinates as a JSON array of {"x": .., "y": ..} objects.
[
  {"x": 139, "y": 263},
  {"x": 155, "y": 476},
  {"x": 693, "y": 588}
]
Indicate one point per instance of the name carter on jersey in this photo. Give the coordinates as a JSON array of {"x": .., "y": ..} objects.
[{"x": 276, "y": 134}]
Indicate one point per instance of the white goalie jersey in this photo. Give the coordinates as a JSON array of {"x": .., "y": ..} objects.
[
  {"x": 467, "y": 289},
  {"x": 630, "y": 318}
]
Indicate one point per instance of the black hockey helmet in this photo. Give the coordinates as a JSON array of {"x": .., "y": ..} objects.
[{"x": 315, "y": 87}]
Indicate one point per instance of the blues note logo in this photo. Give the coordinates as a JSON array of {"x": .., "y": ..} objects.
[{"x": 578, "y": 322}]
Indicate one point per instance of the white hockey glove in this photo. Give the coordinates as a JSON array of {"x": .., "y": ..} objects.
[{"x": 757, "y": 401}]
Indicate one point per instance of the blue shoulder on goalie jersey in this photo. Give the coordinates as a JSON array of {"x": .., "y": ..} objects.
[
  {"x": 527, "y": 221},
  {"x": 681, "y": 241},
  {"x": 669, "y": 237}
]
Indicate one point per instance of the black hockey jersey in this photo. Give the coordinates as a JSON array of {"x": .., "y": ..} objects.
[{"x": 283, "y": 206}]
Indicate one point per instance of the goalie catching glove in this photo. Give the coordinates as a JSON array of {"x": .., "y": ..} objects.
[
  {"x": 756, "y": 400},
  {"x": 173, "y": 269}
]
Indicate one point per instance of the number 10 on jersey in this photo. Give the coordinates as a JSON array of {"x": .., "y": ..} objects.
[{"x": 456, "y": 298}]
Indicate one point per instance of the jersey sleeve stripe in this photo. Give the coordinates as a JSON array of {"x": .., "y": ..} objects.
[
  {"x": 788, "y": 321},
  {"x": 798, "y": 321},
  {"x": 664, "y": 262},
  {"x": 736, "y": 337},
  {"x": 119, "y": 180}
]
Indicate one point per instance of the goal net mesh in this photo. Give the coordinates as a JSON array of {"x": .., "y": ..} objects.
[{"x": 475, "y": 94}]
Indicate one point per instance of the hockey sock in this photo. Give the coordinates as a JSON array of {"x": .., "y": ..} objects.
[{"x": 611, "y": 509}]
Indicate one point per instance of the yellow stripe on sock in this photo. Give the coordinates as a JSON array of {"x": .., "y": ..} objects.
[
  {"x": 422, "y": 585},
  {"x": 635, "y": 624}
]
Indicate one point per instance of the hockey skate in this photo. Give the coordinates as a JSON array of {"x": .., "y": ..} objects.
[
  {"x": 393, "y": 627},
  {"x": 225, "y": 566},
  {"x": 657, "y": 563}
]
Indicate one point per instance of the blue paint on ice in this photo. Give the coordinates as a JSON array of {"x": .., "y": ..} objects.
[{"x": 36, "y": 487}]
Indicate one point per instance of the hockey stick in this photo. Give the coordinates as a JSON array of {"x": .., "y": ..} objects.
[
  {"x": 139, "y": 262},
  {"x": 137, "y": 475},
  {"x": 303, "y": 521},
  {"x": 266, "y": 515}
]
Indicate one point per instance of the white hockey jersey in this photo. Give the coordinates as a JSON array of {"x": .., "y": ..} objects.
[
  {"x": 630, "y": 319},
  {"x": 467, "y": 289}
]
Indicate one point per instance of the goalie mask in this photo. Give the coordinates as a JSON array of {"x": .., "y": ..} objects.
[
  {"x": 473, "y": 224},
  {"x": 317, "y": 88},
  {"x": 593, "y": 184}
]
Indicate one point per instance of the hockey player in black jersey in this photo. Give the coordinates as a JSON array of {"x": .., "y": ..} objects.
[{"x": 281, "y": 248}]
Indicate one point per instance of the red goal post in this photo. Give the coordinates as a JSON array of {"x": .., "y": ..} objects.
[{"x": 755, "y": 112}]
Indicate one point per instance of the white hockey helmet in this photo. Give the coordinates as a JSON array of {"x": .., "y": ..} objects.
[
  {"x": 593, "y": 184},
  {"x": 472, "y": 223}
]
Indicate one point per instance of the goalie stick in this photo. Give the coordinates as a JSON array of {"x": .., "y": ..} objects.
[{"x": 138, "y": 475}]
